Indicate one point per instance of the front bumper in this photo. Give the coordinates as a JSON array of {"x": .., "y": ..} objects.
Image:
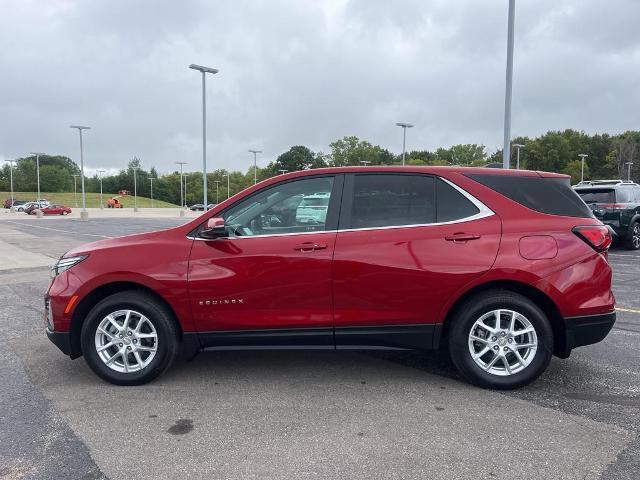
[
  {"x": 586, "y": 330},
  {"x": 62, "y": 340}
]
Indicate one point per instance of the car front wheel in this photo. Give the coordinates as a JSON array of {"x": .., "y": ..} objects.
[
  {"x": 129, "y": 338},
  {"x": 500, "y": 340}
]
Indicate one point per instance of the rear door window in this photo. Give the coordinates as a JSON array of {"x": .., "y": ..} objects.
[
  {"x": 381, "y": 200},
  {"x": 553, "y": 196},
  {"x": 452, "y": 205}
]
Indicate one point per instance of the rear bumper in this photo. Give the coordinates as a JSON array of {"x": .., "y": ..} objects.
[{"x": 586, "y": 330}]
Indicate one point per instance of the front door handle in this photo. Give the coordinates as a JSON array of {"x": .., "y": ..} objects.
[
  {"x": 309, "y": 247},
  {"x": 461, "y": 237}
]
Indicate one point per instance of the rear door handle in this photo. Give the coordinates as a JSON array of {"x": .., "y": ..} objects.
[
  {"x": 461, "y": 237},
  {"x": 309, "y": 247}
]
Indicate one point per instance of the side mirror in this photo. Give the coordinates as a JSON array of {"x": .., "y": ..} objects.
[{"x": 214, "y": 228}]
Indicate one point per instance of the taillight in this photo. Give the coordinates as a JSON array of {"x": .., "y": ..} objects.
[{"x": 597, "y": 236}]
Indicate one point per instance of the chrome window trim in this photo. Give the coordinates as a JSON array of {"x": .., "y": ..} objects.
[{"x": 484, "y": 212}]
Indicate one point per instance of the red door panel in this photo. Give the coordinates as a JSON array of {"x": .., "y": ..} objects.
[
  {"x": 264, "y": 282},
  {"x": 396, "y": 276}
]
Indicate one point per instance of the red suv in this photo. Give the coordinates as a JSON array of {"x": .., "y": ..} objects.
[{"x": 506, "y": 268}]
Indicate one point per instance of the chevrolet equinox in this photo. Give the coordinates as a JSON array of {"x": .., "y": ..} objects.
[{"x": 503, "y": 268}]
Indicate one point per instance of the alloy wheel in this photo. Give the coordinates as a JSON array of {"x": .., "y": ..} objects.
[
  {"x": 503, "y": 342},
  {"x": 635, "y": 236},
  {"x": 126, "y": 341}
]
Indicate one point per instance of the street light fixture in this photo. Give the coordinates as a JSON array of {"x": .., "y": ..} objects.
[
  {"x": 366, "y": 162},
  {"x": 83, "y": 215},
  {"x": 629, "y": 171},
  {"x": 283, "y": 171},
  {"x": 255, "y": 165},
  {"x": 506, "y": 151},
  {"x": 518, "y": 147},
  {"x": 582, "y": 156},
  {"x": 204, "y": 71},
  {"x": 151, "y": 179},
  {"x": 75, "y": 189},
  {"x": 404, "y": 137},
  {"x": 228, "y": 183},
  {"x": 100, "y": 172},
  {"x": 37, "y": 154},
  {"x": 181, "y": 189}
]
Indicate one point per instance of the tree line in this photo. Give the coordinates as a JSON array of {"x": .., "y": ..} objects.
[{"x": 555, "y": 151}]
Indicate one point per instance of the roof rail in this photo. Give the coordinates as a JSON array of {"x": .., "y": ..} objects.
[{"x": 604, "y": 182}]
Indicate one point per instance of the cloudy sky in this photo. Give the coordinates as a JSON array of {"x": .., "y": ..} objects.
[{"x": 305, "y": 72}]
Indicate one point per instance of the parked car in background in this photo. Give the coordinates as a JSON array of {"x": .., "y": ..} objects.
[
  {"x": 617, "y": 204},
  {"x": 113, "y": 203},
  {"x": 27, "y": 206},
  {"x": 16, "y": 203},
  {"x": 43, "y": 201},
  {"x": 55, "y": 210},
  {"x": 199, "y": 207},
  {"x": 31, "y": 207},
  {"x": 313, "y": 208},
  {"x": 505, "y": 267}
]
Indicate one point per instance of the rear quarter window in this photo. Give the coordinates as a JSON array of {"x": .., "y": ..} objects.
[
  {"x": 553, "y": 196},
  {"x": 600, "y": 195}
]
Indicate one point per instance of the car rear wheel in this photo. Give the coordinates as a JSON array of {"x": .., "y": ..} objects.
[
  {"x": 633, "y": 242},
  {"x": 500, "y": 340},
  {"x": 129, "y": 338}
]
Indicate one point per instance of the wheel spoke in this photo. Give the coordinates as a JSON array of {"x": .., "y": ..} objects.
[
  {"x": 105, "y": 346},
  {"x": 142, "y": 348},
  {"x": 105, "y": 332},
  {"x": 125, "y": 324},
  {"x": 519, "y": 357},
  {"x": 481, "y": 353},
  {"x": 125, "y": 362},
  {"x": 523, "y": 332},
  {"x": 147, "y": 335},
  {"x": 498, "y": 315},
  {"x": 113, "y": 357},
  {"x": 486, "y": 327},
  {"x": 114, "y": 323},
  {"x": 478, "y": 339},
  {"x": 512, "y": 323},
  {"x": 492, "y": 362},
  {"x": 138, "y": 358},
  {"x": 505, "y": 362},
  {"x": 523, "y": 345}
]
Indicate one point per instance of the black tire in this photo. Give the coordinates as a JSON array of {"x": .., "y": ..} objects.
[
  {"x": 474, "y": 308},
  {"x": 633, "y": 240},
  {"x": 163, "y": 322}
]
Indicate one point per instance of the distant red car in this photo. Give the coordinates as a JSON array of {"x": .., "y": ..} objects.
[
  {"x": 51, "y": 210},
  {"x": 506, "y": 267}
]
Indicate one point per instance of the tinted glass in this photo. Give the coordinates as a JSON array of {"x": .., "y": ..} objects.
[
  {"x": 282, "y": 209},
  {"x": 553, "y": 196},
  {"x": 452, "y": 205},
  {"x": 624, "y": 195},
  {"x": 600, "y": 195},
  {"x": 388, "y": 200},
  {"x": 637, "y": 194}
]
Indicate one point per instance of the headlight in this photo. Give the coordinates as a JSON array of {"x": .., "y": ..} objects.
[{"x": 65, "y": 264}]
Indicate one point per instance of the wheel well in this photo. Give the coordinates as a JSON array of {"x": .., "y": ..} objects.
[
  {"x": 103, "y": 291},
  {"x": 536, "y": 296}
]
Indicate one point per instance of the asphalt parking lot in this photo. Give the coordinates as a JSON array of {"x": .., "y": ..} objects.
[{"x": 301, "y": 414}]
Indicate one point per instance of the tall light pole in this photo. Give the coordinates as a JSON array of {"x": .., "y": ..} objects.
[
  {"x": 11, "y": 181},
  {"x": 37, "y": 154},
  {"x": 181, "y": 189},
  {"x": 506, "y": 151},
  {"x": 255, "y": 165},
  {"x": 75, "y": 189},
  {"x": 228, "y": 182},
  {"x": 404, "y": 137},
  {"x": 83, "y": 215},
  {"x": 629, "y": 171},
  {"x": 204, "y": 71},
  {"x": 217, "y": 191},
  {"x": 518, "y": 147},
  {"x": 184, "y": 177},
  {"x": 151, "y": 179},
  {"x": 100, "y": 172},
  {"x": 582, "y": 156},
  {"x": 135, "y": 188}
]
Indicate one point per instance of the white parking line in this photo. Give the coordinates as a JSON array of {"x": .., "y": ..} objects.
[
  {"x": 630, "y": 310},
  {"x": 59, "y": 230}
]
